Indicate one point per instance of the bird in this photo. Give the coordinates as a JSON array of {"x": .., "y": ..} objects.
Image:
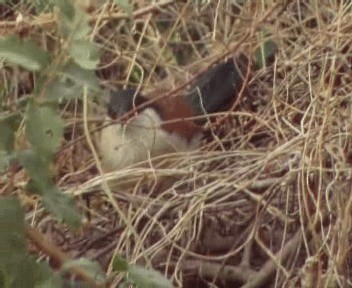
[{"x": 153, "y": 128}]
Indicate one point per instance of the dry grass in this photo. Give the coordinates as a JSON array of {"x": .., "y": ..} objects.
[{"x": 269, "y": 197}]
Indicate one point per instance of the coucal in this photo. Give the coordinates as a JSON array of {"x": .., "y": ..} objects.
[{"x": 165, "y": 125}]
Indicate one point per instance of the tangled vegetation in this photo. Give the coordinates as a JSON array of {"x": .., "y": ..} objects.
[{"x": 265, "y": 202}]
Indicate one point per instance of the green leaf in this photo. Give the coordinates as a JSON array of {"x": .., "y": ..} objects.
[
  {"x": 136, "y": 75},
  {"x": 120, "y": 264},
  {"x": 42, "y": 6},
  {"x": 126, "y": 5},
  {"x": 75, "y": 284},
  {"x": 44, "y": 129},
  {"x": 61, "y": 205},
  {"x": 12, "y": 240},
  {"x": 66, "y": 7},
  {"x": 63, "y": 89},
  {"x": 54, "y": 200},
  {"x": 24, "y": 271},
  {"x": 5, "y": 160},
  {"x": 2, "y": 95},
  {"x": 29, "y": 273},
  {"x": 147, "y": 278},
  {"x": 7, "y": 136},
  {"x": 17, "y": 269},
  {"x": 75, "y": 29},
  {"x": 8, "y": 127},
  {"x": 52, "y": 281},
  {"x": 90, "y": 267},
  {"x": 265, "y": 52},
  {"x": 81, "y": 76},
  {"x": 23, "y": 52},
  {"x": 37, "y": 168},
  {"x": 85, "y": 54},
  {"x": 73, "y": 22}
]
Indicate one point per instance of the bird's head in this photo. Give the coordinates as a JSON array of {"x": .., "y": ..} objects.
[{"x": 123, "y": 101}]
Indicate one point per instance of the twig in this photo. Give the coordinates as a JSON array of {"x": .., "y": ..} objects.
[
  {"x": 224, "y": 272},
  {"x": 270, "y": 266},
  {"x": 55, "y": 253}
]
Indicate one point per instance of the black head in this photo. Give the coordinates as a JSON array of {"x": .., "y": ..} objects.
[{"x": 123, "y": 101}]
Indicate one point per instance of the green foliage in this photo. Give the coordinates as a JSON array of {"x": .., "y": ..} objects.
[
  {"x": 63, "y": 89},
  {"x": 4, "y": 161},
  {"x": 17, "y": 269},
  {"x": 60, "y": 75},
  {"x": 41, "y": 6},
  {"x": 12, "y": 229},
  {"x": 61, "y": 205},
  {"x": 43, "y": 125},
  {"x": 86, "y": 54},
  {"x": 126, "y": 5},
  {"x": 24, "y": 53},
  {"x": 90, "y": 267},
  {"x": 120, "y": 264},
  {"x": 136, "y": 75},
  {"x": 44, "y": 129},
  {"x": 8, "y": 126},
  {"x": 36, "y": 166},
  {"x": 69, "y": 84},
  {"x": 80, "y": 75},
  {"x": 147, "y": 278},
  {"x": 2, "y": 94},
  {"x": 7, "y": 137},
  {"x": 140, "y": 276},
  {"x": 265, "y": 53},
  {"x": 75, "y": 28}
]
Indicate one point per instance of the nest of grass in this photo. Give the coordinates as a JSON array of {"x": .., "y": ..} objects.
[{"x": 266, "y": 201}]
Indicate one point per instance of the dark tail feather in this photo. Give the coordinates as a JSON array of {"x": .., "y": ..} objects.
[{"x": 217, "y": 88}]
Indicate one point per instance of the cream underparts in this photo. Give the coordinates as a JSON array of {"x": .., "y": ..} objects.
[{"x": 139, "y": 139}]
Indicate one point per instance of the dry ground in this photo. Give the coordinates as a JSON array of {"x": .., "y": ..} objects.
[{"x": 266, "y": 201}]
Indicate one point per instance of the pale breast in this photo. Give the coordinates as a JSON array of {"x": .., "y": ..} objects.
[{"x": 139, "y": 139}]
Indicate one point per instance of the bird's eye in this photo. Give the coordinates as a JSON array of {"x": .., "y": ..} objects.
[{"x": 112, "y": 114}]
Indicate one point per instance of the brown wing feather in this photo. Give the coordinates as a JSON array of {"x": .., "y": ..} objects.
[
  {"x": 176, "y": 113},
  {"x": 175, "y": 108}
]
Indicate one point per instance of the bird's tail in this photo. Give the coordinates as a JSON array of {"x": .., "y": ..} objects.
[{"x": 217, "y": 89}]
